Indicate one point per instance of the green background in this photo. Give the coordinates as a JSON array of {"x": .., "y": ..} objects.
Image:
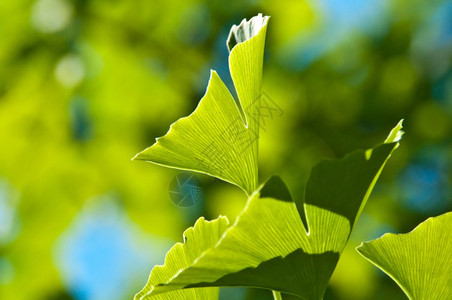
[{"x": 85, "y": 85}]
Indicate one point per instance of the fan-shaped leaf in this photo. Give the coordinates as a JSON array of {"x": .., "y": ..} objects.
[
  {"x": 220, "y": 137},
  {"x": 420, "y": 261},
  {"x": 269, "y": 247},
  {"x": 204, "y": 235}
]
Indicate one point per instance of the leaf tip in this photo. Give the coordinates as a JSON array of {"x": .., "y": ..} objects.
[
  {"x": 246, "y": 30},
  {"x": 357, "y": 248},
  {"x": 396, "y": 133},
  {"x": 135, "y": 157},
  {"x": 139, "y": 156}
]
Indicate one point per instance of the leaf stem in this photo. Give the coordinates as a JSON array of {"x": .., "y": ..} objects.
[{"x": 277, "y": 295}]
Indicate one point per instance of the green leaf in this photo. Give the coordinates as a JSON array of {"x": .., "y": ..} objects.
[
  {"x": 220, "y": 137},
  {"x": 197, "y": 239},
  {"x": 269, "y": 247},
  {"x": 420, "y": 261}
]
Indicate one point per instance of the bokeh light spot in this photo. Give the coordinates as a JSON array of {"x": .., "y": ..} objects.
[{"x": 49, "y": 16}]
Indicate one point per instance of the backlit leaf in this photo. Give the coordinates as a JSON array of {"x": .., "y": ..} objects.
[
  {"x": 419, "y": 261},
  {"x": 220, "y": 137},
  {"x": 197, "y": 239},
  {"x": 269, "y": 247}
]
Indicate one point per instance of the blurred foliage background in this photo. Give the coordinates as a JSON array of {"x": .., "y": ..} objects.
[{"x": 84, "y": 85}]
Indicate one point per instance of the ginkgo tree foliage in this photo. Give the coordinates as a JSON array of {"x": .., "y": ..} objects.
[
  {"x": 269, "y": 246},
  {"x": 220, "y": 137},
  {"x": 290, "y": 246},
  {"x": 420, "y": 261}
]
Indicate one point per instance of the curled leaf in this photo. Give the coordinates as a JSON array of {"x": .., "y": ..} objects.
[{"x": 220, "y": 138}]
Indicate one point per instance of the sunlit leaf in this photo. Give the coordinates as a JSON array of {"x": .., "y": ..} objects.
[
  {"x": 204, "y": 235},
  {"x": 419, "y": 261},
  {"x": 269, "y": 247},
  {"x": 220, "y": 137}
]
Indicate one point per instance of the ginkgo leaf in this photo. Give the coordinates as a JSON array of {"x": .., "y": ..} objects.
[
  {"x": 419, "y": 261},
  {"x": 220, "y": 137},
  {"x": 269, "y": 247},
  {"x": 197, "y": 239}
]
